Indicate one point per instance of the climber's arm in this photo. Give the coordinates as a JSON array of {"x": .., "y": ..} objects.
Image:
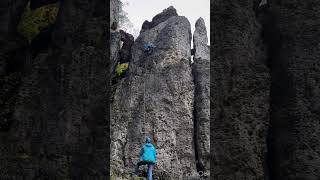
[{"x": 141, "y": 151}]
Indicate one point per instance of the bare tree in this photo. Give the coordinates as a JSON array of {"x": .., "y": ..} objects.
[{"x": 124, "y": 21}]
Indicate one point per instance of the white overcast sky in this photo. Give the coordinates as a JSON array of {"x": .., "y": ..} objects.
[{"x": 141, "y": 10}]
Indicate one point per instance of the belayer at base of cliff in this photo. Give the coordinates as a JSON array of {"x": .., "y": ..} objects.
[{"x": 147, "y": 157}]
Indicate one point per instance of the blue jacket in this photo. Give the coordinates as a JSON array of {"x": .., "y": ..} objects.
[
  {"x": 148, "y": 153},
  {"x": 148, "y": 46}
]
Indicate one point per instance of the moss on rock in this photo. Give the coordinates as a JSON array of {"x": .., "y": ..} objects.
[
  {"x": 121, "y": 68},
  {"x": 33, "y": 21}
]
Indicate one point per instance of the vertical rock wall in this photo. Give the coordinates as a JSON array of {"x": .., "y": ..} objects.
[
  {"x": 13, "y": 55},
  {"x": 56, "y": 117},
  {"x": 240, "y": 84},
  {"x": 201, "y": 75},
  {"x": 295, "y": 143},
  {"x": 115, "y": 37},
  {"x": 162, "y": 96},
  {"x": 59, "y": 120},
  {"x": 290, "y": 33},
  {"x": 156, "y": 100}
]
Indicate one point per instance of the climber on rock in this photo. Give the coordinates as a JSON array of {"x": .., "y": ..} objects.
[
  {"x": 148, "y": 48},
  {"x": 147, "y": 157}
]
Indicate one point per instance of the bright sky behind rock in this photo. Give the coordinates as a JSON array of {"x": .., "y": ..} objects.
[{"x": 141, "y": 10}]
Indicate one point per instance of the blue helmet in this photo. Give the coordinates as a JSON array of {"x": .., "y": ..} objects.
[
  {"x": 148, "y": 140},
  {"x": 148, "y": 45}
]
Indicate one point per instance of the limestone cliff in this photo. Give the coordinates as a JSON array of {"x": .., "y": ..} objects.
[
  {"x": 265, "y": 86},
  {"x": 295, "y": 132},
  {"x": 58, "y": 121},
  {"x": 240, "y": 93},
  {"x": 201, "y": 111},
  {"x": 13, "y": 57},
  {"x": 157, "y": 99},
  {"x": 55, "y": 93}
]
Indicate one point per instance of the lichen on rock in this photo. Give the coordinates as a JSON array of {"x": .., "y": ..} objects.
[{"x": 33, "y": 21}]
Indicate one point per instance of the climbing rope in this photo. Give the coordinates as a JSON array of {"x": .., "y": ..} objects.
[{"x": 144, "y": 98}]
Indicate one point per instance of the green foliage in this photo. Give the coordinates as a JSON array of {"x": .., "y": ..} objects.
[
  {"x": 33, "y": 21},
  {"x": 121, "y": 68}
]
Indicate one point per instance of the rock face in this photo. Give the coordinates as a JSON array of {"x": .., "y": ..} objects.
[
  {"x": 115, "y": 36},
  {"x": 240, "y": 84},
  {"x": 240, "y": 88},
  {"x": 159, "y": 18},
  {"x": 125, "y": 52},
  {"x": 265, "y": 67},
  {"x": 200, "y": 42},
  {"x": 156, "y": 100},
  {"x": 295, "y": 143},
  {"x": 59, "y": 118},
  {"x": 201, "y": 74},
  {"x": 3, "y": 67},
  {"x": 38, "y": 3},
  {"x": 9, "y": 15},
  {"x": 13, "y": 55},
  {"x": 115, "y": 8},
  {"x": 115, "y": 39}
]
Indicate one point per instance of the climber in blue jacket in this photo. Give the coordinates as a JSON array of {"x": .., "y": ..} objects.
[
  {"x": 148, "y": 48},
  {"x": 147, "y": 156}
]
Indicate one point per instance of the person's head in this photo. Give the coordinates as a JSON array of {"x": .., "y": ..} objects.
[{"x": 148, "y": 140}]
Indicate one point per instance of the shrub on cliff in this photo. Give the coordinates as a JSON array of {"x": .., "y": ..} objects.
[
  {"x": 33, "y": 21},
  {"x": 121, "y": 68}
]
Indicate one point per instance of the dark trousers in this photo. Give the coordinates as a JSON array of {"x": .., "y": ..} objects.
[{"x": 150, "y": 167}]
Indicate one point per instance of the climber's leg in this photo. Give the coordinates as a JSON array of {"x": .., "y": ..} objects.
[
  {"x": 150, "y": 51},
  {"x": 150, "y": 167},
  {"x": 136, "y": 169},
  {"x": 138, "y": 165}
]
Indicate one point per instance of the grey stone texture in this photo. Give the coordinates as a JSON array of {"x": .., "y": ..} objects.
[
  {"x": 264, "y": 97},
  {"x": 60, "y": 115},
  {"x": 13, "y": 55},
  {"x": 240, "y": 93},
  {"x": 34, "y": 4},
  {"x": 159, "y": 18},
  {"x": 295, "y": 92},
  {"x": 201, "y": 115},
  {"x": 264, "y": 82},
  {"x": 157, "y": 100}
]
